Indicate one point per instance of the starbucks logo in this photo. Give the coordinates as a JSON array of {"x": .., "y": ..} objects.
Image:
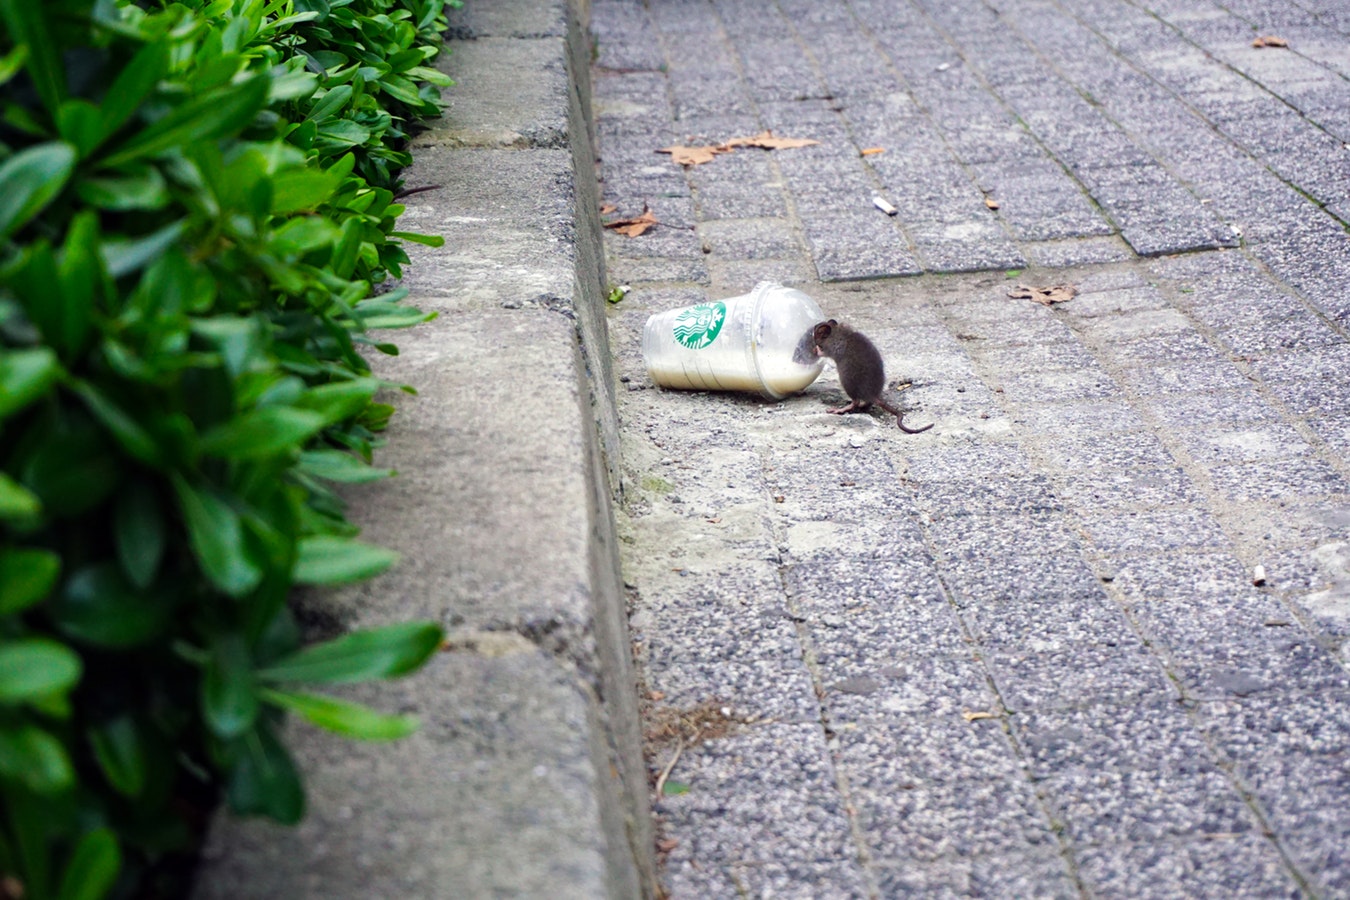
[{"x": 698, "y": 326}]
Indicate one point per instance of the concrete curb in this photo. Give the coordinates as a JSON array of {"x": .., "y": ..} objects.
[{"x": 527, "y": 776}]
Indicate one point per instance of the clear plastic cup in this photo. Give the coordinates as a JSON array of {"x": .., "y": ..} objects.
[{"x": 760, "y": 341}]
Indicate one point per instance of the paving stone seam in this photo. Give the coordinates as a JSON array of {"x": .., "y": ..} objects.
[
  {"x": 1214, "y": 501},
  {"x": 1094, "y": 559},
  {"x": 942, "y": 133},
  {"x": 1217, "y": 127},
  {"x": 860, "y": 845},
  {"x": 998, "y": 97},
  {"x": 1101, "y": 110}
]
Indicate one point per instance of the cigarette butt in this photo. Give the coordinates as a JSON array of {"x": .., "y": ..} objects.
[
  {"x": 885, "y": 207},
  {"x": 1259, "y": 576}
]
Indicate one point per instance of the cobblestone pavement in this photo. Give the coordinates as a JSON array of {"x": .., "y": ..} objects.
[{"x": 1028, "y": 653}]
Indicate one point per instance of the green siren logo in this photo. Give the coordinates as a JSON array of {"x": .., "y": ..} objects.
[{"x": 697, "y": 326}]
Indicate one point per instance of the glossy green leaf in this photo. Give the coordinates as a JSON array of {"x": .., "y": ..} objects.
[
  {"x": 92, "y": 868},
  {"x": 29, "y": 180},
  {"x": 133, "y": 438},
  {"x": 139, "y": 533},
  {"x": 132, "y": 85},
  {"x": 31, "y": 668},
  {"x": 12, "y": 63},
  {"x": 79, "y": 274},
  {"x": 121, "y": 754},
  {"x": 302, "y": 189},
  {"x": 98, "y": 606},
  {"x": 26, "y": 375},
  {"x": 229, "y": 690},
  {"x": 340, "y": 400},
  {"x": 324, "y": 559},
  {"x": 142, "y": 188},
  {"x": 385, "y": 652},
  {"x": 33, "y": 756},
  {"x": 124, "y": 256},
  {"x": 217, "y": 113},
  {"x": 336, "y": 465},
  {"x": 264, "y": 780},
  {"x": 27, "y": 27},
  {"x": 348, "y": 719},
  {"x": 26, "y": 578},
  {"x": 216, "y": 535},
  {"x": 80, "y": 124},
  {"x": 261, "y": 432},
  {"x": 429, "y": 240},
  {"x": 16, "y": 501}
]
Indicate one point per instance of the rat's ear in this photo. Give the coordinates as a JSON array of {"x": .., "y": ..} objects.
[
  {"x": 822, "y": 331},
  {"x": 832, "y": 323}
]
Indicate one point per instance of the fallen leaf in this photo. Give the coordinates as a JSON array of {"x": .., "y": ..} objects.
[
  {"x": 713, "y": 521},
  {"x": 635, "y": 226},
  {"x": 697, "y": 156},
  {"x": 657, "y": 695},
  {"x": 665, "y": 845},
  {"x": 971, "y": 716},
  {"x": 694, "y": 156},
  {"x": 767, "y": 140},
  {"x": 1270, "y": 40},
  {"x": 870, "y": 150},
  {"x": 1046, "y": 296},
  {"x": 991, "y": 202},
  {"x": 607, "y": 209}
]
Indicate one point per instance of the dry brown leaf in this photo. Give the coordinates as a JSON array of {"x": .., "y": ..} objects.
[
  {"x": 870, "y": 150},
  {"x": 991, "y": 202},
  {"x": 693, "y": 156},
  {"x": 767, "y": 140},
  {"x": 1270, "y": 40},
  {"x": 971, "y": 716},
  {"x": 1047, "y": 296},
  {"x": 607, "y": 209},
  {"x": 665, "y": 845},
  {"x": 636, "y": 226}
]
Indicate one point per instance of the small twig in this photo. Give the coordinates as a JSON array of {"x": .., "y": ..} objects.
[
  {"x": 665, "y": 773},
  {"x": 408, "y": 192}
]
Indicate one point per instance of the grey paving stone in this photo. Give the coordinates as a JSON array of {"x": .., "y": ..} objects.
[
  {"x": 840, "y": 880},
  {"x": 1231, "y": 409},
  {"x": 755, "y": 666},
  {"x": 1070, "y": 451},
  {"x": 1095, "y": 416},
  {"x": 1159, "y": 530},
  {"x": 1279, "y": 723},
  {"x": 1078, "y": 252},
  {"x": 1296, "y": 477},
  {"x": 1146, "y": 805},
  {"x": 761, "y": 795},
  {"x": 1186, "y": 378},
  {"x": 1032, "y": 874},
  {"x": 998, "y": 536},
  {"x": 1048, "y": 623},
  {"x": 1246, "y": 866},
  {"x": 906, "y": 751},
  {"x": 1075, "y": 674},
  {"x": 931, "y": 684},
  {"x": 1110, "y": 488},
  {"x": 1025, "y": 576},
  {"x": 1250, "y": 444},
  {"x": 1020, "y": 494},
  {"x": 836, "y": 588},
  {"x": 752, "y": 239},
  {"x": 1170, "y": 577},
  {"x": 1086, "y": 383},
  {"x": 951, "y": 819}
]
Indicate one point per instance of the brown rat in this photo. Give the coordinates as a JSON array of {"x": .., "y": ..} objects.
[{"x": 861, "y": 370}]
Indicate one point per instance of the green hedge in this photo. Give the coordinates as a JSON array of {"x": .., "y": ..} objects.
[{"x": 197, "y": 202}]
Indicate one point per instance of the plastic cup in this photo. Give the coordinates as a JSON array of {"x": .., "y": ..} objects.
[{"x": 760, "y": 341}]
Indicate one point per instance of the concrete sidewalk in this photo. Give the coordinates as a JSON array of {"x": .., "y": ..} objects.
[
  {"x": 526, "y": 778},
  {"x": 1086, "y": 636}
]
